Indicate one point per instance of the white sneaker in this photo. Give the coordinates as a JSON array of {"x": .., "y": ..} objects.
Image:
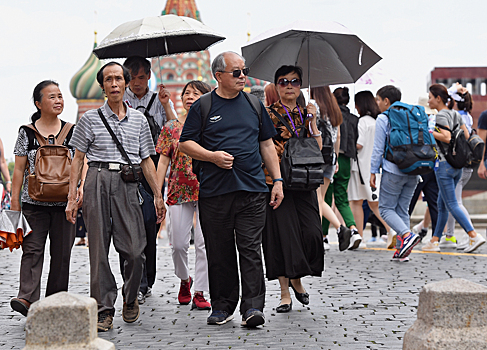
[
  {"x": 362, "y": 245},
  {"x": 384, "y": 238},
  {"x": 416, "y": 229},
  {"x": 474, "y": 243},
  {"x": 326, "y": 246},
  {"x": 391, "y": 239},
  {"x": 448, "y": 242},
  {"x": 464, "y": 243},
  {"x": 431, "y": 247},
  {"x": 355, "y": 240}
]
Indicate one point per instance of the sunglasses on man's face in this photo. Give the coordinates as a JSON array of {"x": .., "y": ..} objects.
[
  {"x": 294, "y": 83},
  {"x": 236, "y": 73}
]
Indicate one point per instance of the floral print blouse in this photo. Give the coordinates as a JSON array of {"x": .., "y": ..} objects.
[{"x": 183, "y": 185}]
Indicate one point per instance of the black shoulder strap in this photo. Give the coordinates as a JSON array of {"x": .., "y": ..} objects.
[
  {"x": 283, "y": 121},
  {"x": 205, "y": 106},
  {"x": 146, "y": 108},
  {"x": 119, "y": 145},
  {"x": 151, "y": 102},
  {"x": 256, "y": 105}
]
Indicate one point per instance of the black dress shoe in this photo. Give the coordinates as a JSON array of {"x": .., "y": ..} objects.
[
  {"x": 303, "y": 298},
  {"x": 284, "y": 307}
]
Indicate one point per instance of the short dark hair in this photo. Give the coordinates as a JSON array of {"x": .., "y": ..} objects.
[
  {"x": 134, "y": 63},
  {"x": 342, "y": 95},
  {"x": 391, "y": 92},
  {"x": 126, "y": 73},
  {"x": 198, "y": 85},
  {"x": 366, "y": 104},
  {"x": 284, "y": 70}
]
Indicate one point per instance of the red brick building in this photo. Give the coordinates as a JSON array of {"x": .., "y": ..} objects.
[{"x": 473, "y": 78}]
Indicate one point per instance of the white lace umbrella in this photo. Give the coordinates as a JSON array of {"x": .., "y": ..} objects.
[
  {"x": 157, "y": 36},
  {"x": 13, "y": 228},
  {"x": 328, "y": 52}
]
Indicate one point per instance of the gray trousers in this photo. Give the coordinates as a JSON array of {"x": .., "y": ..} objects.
[
  {"x": 111, "y": 209},
  {"x": 61, "y": 238}
]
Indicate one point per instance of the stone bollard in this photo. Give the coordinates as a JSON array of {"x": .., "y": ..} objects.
[
  {"x": 452, "y": 314},
  {"x": 64, "y": 321}
]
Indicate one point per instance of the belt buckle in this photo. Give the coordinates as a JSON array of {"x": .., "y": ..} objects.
[{"x": 113, "y": 166}]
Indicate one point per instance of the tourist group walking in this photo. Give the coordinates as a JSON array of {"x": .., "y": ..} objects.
[{"x": 254, "y": 183}]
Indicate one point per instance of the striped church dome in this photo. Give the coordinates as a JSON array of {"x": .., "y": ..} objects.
[
  {"x": 83, "y": 84},
  {"x": 252, "y": 82}
]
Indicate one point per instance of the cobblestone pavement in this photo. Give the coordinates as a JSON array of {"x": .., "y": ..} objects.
[{"x": 363, "y": 301}]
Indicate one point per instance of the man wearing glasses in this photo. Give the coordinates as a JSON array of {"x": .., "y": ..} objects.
[{"x": 232, "y": 201}]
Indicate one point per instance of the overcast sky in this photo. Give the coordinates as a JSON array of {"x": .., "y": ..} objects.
[{"x": 52, "y": 39}]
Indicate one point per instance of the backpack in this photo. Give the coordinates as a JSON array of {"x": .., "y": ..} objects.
[
  {"x": 477, "y": 146},
  {"x": 410, "y": 145},
  {"x": 348, "y": 133},
  {"x": 462, "y": 152},
  {"x": 50, "y": 180},
  {"x": 205, "y": 107},
  {"x": 302, "y": 163},
  {"x": 327, "y": 149}
]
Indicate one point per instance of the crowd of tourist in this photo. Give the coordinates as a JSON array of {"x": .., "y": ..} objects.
[{"x": 222, "y": 159}]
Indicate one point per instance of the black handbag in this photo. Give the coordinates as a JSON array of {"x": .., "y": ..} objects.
[
  {"x": 302, "y": 164},
  {"x": 146, "y": 201}
]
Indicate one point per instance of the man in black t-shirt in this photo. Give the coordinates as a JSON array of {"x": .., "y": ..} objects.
[
  {"x": 482, "y": 130},
  {"x": 232, "y": 195}
]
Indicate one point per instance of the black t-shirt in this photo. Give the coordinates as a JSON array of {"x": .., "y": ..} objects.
[
  {"x": 232, "y": 126},
  {"x": 482, "y": 124}
]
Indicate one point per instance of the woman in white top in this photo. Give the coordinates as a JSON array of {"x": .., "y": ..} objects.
[{"x": 359, "y": 187}]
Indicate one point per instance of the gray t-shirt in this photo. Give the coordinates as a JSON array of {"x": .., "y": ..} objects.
[{"x": 448, "y": 118}]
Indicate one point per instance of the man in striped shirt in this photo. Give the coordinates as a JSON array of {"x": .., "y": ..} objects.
[
  {"x": 157, "y": 108},
  {"x": 111, "y": 206}
]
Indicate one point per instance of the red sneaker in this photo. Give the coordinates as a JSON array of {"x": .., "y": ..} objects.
[
  {"x": 200, "y": 303},
  {"x": 184, "y": 295}
]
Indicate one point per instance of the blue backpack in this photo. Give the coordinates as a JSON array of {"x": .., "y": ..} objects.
[{"x": 410, "y": 144}]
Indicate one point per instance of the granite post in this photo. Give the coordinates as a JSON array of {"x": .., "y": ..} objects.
[
  {"x": 452, "y": 314},
  {"x": 64, "y": 321}
]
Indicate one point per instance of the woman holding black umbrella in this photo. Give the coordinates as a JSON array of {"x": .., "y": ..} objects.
[{"x": 292, "y": 238}]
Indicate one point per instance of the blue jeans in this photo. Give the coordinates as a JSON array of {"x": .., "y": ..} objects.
[
  {"x": 447, "y": 178},
  {"x": 395, "y": 195}
]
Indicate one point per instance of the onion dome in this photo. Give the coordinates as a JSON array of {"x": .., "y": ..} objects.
[
  {"x": 185, "y": 8},
  {"x": 249, "y": 82},
  {"x": 83, "y": 84}
]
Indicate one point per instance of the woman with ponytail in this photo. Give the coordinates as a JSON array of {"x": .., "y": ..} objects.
[
  {"x": 446, "y": 175},
  {"x": 464, "y": 103},
  {"x": 45, "y": 218},
  {"x": 329, "y": 117}
]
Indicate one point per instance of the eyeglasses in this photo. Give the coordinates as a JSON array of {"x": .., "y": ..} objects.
[
  {"x": 294, "y": 83},
  {"x": 236, "y": 73}
]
